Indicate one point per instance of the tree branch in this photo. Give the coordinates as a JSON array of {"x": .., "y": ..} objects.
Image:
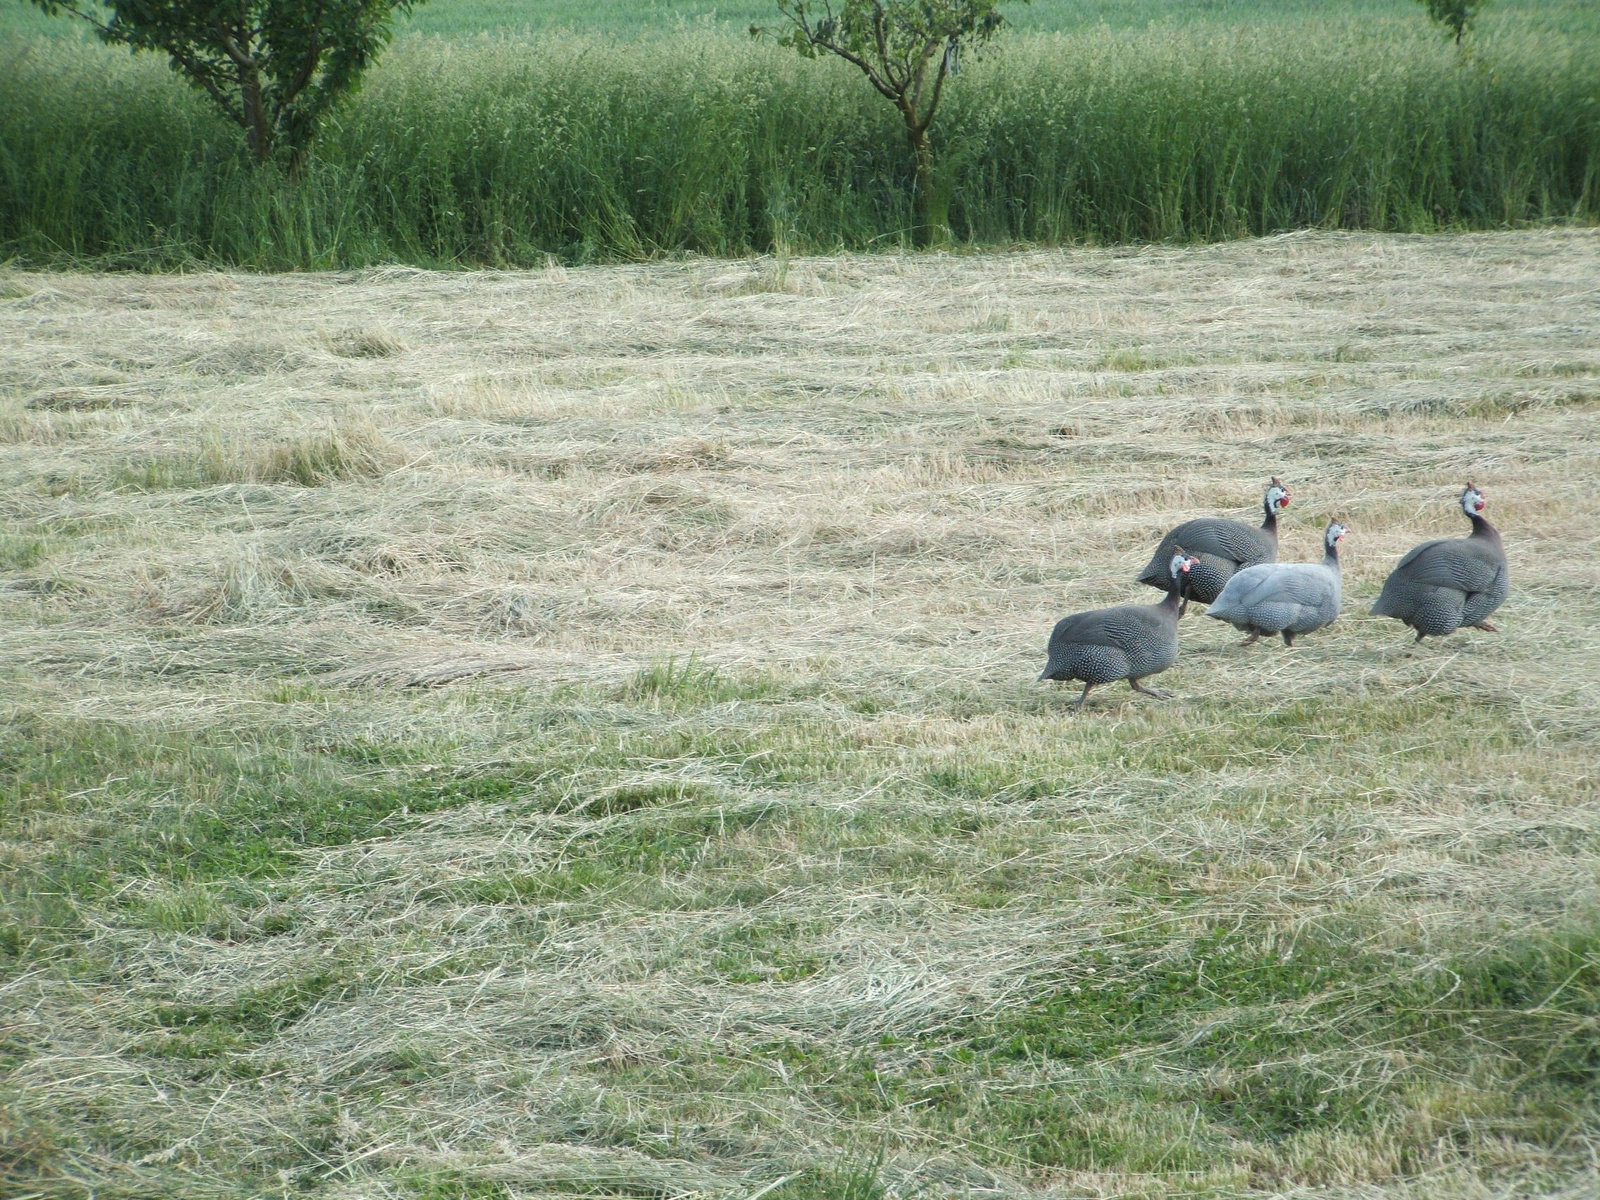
[
  {"x": 105, "y": 30},
  {"x": 938, "y": 88},
  {"x": 866, "y": 67}
]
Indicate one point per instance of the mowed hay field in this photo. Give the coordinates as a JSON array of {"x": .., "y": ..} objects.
[{"x": 574, "y": 733}]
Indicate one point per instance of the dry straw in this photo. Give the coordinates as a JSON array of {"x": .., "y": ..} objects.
[{"x": 686, "y": 630}]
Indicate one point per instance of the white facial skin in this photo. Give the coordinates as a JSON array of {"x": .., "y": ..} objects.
[
  {"x": 1180, "y": 564},
  {"x": 1277, "y": 498},
  {"x": 1335, "y": 534},
  {"x": 1472, "y": 502}
]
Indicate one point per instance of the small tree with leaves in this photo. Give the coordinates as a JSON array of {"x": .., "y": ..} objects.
[
  {"x": 275, "y": 67},
  {"x": 907, "y": 49},
  {"x": 1456, "y": 16}
]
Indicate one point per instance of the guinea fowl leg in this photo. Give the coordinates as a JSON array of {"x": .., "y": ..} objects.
[
  {"x": 1156, "y": 692},
  {"x": 1420, "y": 636},
  {"x": 1251, "y": 640},
  {"x": 1288, "y": 637},
  {"x": 1083, "y": 697},
  {"x": 1486, "y": 627}
]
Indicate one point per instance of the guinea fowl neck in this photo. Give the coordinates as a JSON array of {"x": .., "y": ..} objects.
[
  {"x": 1269, "y": 524},
  {"x": 1330, "y": 557},
  {"x": 1174, "y": 603},
  {"x": 1482, "y": 529}
]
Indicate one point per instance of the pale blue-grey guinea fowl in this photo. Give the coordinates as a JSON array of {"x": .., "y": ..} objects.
[
  {"x": 1129, "y": 641},
  {"x": 1221, "y": 547},
  {"x": 1284, "y": 598},
  {"x": 1439, "y": 587}
]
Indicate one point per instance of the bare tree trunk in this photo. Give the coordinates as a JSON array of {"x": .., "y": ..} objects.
[
  {"x": 259, "y": 133},
  {"x": 923, "y": 232}
]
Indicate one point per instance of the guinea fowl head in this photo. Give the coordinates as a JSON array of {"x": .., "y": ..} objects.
[
  {"x": 1473, "y": 502},
  {"x": 1178, "y": 567},
  {"x": 1332, "y": 536},
  {"x": 1277, "y": 497}
]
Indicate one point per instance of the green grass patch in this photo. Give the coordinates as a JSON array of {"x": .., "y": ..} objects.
[
  {"x": 18, "y": 553},
  {"x": 100, "y": 806},
  {"x": 1181, "y": 1046},
  {"x": 690, "y": 681},
  {"x": 217, "y": 1030},
  {"x": 1271, "y": 1036}
]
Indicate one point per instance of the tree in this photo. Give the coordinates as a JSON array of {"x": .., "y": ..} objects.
[
  {"x": 1456, "y": 16},
  {"x": 897, "y": 44},
  {"x": 275, "y": 67}
]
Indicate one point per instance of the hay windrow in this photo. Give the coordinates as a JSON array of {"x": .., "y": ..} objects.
[{"x": 569, "y": 754}]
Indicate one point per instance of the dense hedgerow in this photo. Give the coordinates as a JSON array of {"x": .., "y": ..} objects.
[{"x": 506, "y": 151}]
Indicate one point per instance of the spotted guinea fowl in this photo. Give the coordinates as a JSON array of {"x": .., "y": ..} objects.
[
  {"x": 1286, "y": 598},
  {"x": 1129, "y": 641},
  {"x": 1221, "y": 546},
  {"x": 1440, "y": 586}
]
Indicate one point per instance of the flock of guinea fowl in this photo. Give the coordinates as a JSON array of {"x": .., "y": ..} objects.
[{"x": 1437, "y": 588}]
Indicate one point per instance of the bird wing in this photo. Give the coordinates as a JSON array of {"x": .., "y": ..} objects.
[
  {"x": 1232, "y": 598},
  {"x": 1231, "y": 540},
  {"x": 1307, "y": 584},
  {"x": 1117, "y": 626},
  {"x": 1081, "y": 629},
  {"x": 1458, "y": 563}
]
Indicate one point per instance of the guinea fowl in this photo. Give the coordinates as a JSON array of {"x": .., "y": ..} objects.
[
  {"x": 1440, "y": 586},
  {"x": 1286, "y": 598},
  {"x": 1221, "y": 546},
  {"x": 1129, "y": 641}
]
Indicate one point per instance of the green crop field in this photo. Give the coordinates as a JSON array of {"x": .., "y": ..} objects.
[
  {"x": 591, "y": 141},
  {"x": 459, "y": 18},
  {"x": 468, "y": 18}
]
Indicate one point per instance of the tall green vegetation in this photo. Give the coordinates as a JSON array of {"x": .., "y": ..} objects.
[
  {"x": 273, "y": 67},
  {"x": 505, "y": 151},
  {"x": 907, "y": 49}
]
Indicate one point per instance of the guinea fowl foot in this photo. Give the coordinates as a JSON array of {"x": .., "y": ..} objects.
[
  {"x": 1251, "y": 640},
  {"x": 1149, "y": 691},
  {"x": 1084, "y": 696},
  {"x": 1486, "y": 627}
]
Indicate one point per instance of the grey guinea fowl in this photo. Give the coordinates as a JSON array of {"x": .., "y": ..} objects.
[
  {"x": 1440, "y": 586},
  {"x": 1130, "y": 641},
  {"x": 1286, "y": 598},
  {"x": 1221, "y": 547}
]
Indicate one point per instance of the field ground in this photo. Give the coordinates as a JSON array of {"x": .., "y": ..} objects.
[{"x": 574, "y": 733}]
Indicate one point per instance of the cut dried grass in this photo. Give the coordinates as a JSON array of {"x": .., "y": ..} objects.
[
  {"x": 648, "y": 791},
  {"x": 349, "y": 450},
  {"x": 365, "y": 343}
]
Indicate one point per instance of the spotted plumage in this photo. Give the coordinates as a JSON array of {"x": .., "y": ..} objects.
[
  {"x": 1128, "y": 641},
  {"x": 1439, "y": 587},
  {"x": 1285, "y": 598},
  {"x": 1221, "y": 547}
]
